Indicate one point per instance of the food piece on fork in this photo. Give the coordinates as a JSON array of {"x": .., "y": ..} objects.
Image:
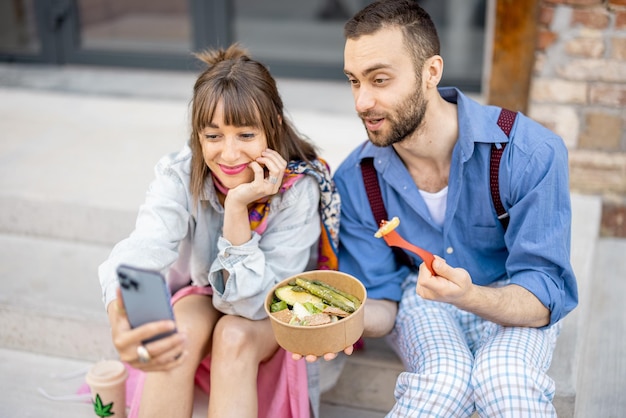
[
  {"x": 387, "y": 226},
  {"x": 392, "y": 238}
]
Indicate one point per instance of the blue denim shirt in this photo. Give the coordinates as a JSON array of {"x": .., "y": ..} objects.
[
  {"x": 187, "y": 246},
  {"x": 534, "y": 252}
]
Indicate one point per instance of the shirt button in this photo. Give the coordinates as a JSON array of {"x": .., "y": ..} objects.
[{"x": 449, "y": 250}]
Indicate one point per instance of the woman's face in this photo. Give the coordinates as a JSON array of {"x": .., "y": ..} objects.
[{"x": 228, "y": 149}]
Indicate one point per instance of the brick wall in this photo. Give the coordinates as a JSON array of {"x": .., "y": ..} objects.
[{"x": 578, "y": 89}]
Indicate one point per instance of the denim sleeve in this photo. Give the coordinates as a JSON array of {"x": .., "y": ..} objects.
[
  {"x": 283, "y": 250},
  {"x": 162, "y": 222},
  {"x": 539, "y": 233}
]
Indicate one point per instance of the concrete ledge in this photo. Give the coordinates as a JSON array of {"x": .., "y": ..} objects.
[
  {"x": 602, "y": 370},
  {"x": 53, "y": 307},
  {"x": 51, "y": 301},
  {"x": 368, "y": 379},
  {"x": 65, "y": 220},
  {"x": 84, "y": 337},
  {"x": 586, "y": 214}
]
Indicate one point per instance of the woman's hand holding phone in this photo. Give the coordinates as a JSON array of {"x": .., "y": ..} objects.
[
  {"x": 142, "y": 322},
  {"x": 165, "y": 353}
]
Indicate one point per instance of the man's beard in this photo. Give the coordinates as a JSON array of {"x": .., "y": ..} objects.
[{"x": 407, "y": 120}]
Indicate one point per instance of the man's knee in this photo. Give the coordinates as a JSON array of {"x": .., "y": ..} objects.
[
  {"x": 503, "y": 385},
  {"x": 444, "y": 393}
]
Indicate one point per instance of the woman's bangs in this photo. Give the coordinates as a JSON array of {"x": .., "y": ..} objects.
[
  {"x": 240, "y": 109},
  {"x": 204, "y": 111}
]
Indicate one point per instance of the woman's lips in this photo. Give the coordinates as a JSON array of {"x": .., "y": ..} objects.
[{"x": 233, "y": 170}]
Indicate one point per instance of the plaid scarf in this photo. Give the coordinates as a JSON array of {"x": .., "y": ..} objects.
[{"x": 329, "y": 208}]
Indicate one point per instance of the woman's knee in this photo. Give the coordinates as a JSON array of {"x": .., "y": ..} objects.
[{"x": 232, "y": 335}]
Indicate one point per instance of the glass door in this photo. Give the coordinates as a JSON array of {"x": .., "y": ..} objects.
[
  {"x": 296, "y": 38},
  {"x": 135, "y": 26},
  {"x": 305, "y": 38},
  {"x": 461, "y": 28},
  {"x": 131, "y": 33},
  {"x": 143, "y": 33},
  {"x": 20, "y": 37}
]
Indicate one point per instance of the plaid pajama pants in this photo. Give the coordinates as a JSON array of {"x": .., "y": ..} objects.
[{"x": 457, "y": 363}]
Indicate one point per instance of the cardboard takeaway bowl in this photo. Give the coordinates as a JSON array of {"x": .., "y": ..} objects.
[{"x": 321, "y": 339}]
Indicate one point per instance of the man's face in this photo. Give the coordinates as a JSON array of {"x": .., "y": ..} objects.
[{"x": 387, "y": 89}]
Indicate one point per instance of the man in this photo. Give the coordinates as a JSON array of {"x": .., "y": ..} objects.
[{"x": 478, "y": 335}]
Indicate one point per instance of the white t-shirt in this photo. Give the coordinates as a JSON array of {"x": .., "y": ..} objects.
[{"x": 436, "y": 203}]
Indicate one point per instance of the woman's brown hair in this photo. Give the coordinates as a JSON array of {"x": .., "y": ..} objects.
[{"x": 250, "y": 98}]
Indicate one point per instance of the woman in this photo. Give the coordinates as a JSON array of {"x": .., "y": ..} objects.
[{"x": 233, "y": 213}]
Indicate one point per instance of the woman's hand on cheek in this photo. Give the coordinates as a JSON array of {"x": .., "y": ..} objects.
[
  {"x": 247, "y": 193},
  {"x": 275, "y": 165},
  {"x": 262, "y": 185}
]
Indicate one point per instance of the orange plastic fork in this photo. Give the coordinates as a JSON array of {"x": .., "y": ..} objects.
[{"x": 392, "y": 238}]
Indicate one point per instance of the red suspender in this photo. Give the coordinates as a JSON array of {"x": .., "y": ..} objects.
[
  {"x": 372, "y": 187},
  {"x": 505, "y": 122}
]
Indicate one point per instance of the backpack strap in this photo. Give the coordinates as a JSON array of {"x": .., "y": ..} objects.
[
  {"x": 505, "y": 122},
  {"x": 375, "y": 198}
]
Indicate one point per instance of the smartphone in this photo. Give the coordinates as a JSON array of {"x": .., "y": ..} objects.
[{"x": 146, "y": 297}]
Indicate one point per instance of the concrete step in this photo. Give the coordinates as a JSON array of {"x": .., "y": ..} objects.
[
  {"x": 52, "y": 322},
  {"x": 601, "y": 379},
  {"x": 51, "y": 304},
  {"x": 52, "y": 307},
  {"x": 24, "y": 373},
  {"x": 71, "y": 183},
  {"x": 36, "y": 385},
  {"x": 368, "y": 378}
]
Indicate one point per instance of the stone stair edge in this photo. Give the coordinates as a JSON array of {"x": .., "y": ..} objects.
[
  {"x": 66, "y": 220},
  {"x": 593, "y": 204},
  {"x": 586, "y": 222},
  {"x": 67, "y": 323},
  {"x": 79, "y": 336}
]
